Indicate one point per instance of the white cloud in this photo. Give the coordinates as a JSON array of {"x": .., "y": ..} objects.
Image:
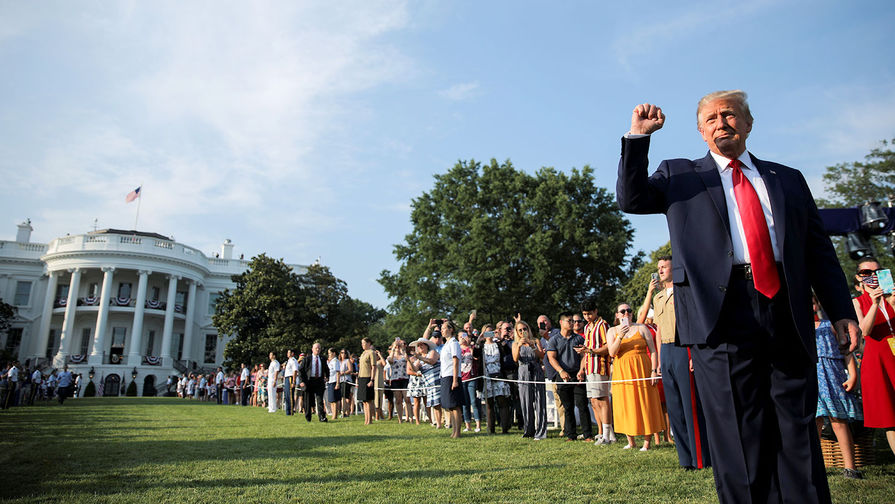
[
  {"x": 215, "y": 107},
  {"x": 461, "y": 91}
]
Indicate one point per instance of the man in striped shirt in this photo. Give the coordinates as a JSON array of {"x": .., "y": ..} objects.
[{"x": 596, "y": 365}]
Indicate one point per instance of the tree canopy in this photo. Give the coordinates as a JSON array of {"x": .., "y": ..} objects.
[
  {"x": 855, "y": 183},
  {"x": 272, "y": 308},
  {"x": 7, "y": 313},
  {"x": 499, "y": 240}
]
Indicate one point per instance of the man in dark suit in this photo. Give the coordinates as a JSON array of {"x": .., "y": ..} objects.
[
  {"x": 313, "y": 372},
  {"x": 749, "y": 246}
]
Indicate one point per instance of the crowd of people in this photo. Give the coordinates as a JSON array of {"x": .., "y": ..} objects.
[
  {"x": 624, "y": 376},
  {"x": 24, "y": 387}
]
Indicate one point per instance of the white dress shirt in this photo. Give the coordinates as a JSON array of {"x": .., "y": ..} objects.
[
  {"x": 291, "y": 367},
  {"x": 272, "y": 369},
  {"x": 737, "y": 234}
]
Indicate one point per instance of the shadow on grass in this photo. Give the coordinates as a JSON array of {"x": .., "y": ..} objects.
[{"x": 110, "y": 485}]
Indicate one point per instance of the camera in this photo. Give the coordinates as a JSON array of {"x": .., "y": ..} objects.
[
  {"x": 542, "y": 326},
  {"x": 438, "y": 321}
]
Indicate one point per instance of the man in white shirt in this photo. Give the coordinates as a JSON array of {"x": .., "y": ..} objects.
[
  {"x": 744, "y": 309},
  {"x": 36, "y": 379},
  {"x": 246, "y": 385},
  {"x": 289, "y": 375},
  {"x": 219, "y": 384},
  {"x": 12, "y": 384},
  {"x": 273, "y": 372},
  {"x": 451, "y": 391},
  {"x": 65, "y": 384}
]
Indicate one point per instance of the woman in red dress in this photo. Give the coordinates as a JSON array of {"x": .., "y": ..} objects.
[{"x": 876, "y": 313}]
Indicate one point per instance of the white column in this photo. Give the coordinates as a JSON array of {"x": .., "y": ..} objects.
[
  {"x": 4, "y": 286},
  {"x": 134, "y": 355},
  {"x": 47, "y": 315},
  {"x": 188, "y": 323},
  {"x": 68, "y": 323},
  {"x": 102, "y": 318},
  {"x": 169, "y": 320}
]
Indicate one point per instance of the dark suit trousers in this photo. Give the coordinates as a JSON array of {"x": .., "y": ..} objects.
[
  {"x": 314, "y": 389},
  {"x": 758, "y": 387},
  {"x": 678, "y": 400},
  {"x": 572, "y": 396}
]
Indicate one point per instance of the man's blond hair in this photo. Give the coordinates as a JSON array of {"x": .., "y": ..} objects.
[{"x": 736, "y": 95}]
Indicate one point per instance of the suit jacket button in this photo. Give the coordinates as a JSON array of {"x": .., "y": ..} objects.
[
  {"x": 722, "y": 288},
  {"x": 730, "y": 253}
]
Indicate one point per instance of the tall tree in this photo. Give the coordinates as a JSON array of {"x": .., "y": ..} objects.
[
  {"x": 7, "y": 313},
  {"x": 499, "y": 240},
  {"x": 855, "y": 183},
  {"x": 273, "y": 308}
]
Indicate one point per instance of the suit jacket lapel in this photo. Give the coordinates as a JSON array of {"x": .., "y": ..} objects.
[
  {"x": 708, "y": 171},
  {"x": 775, "y": 193}
]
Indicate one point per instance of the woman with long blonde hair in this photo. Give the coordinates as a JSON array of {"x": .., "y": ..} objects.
[{"x": 528, "y": 354}]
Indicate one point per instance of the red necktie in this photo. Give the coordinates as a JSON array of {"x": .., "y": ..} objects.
[
  {"x": 758, "y": 239},
  {"x": 314, "y": 367}
]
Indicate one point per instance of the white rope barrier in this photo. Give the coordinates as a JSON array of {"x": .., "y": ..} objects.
[{"x": 545, "y": 383}]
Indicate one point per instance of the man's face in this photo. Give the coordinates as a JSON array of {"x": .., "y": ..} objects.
[
  {"x": 289, "y": 353},
  {"x": 589, "y": 316},
  {"x": 546, "y": 321},
  {"x": 507, "y": 331},
  {"x": 316, "y": 348},
  {"x": 565, "y": 324},
  {"x": 724, "y": 127},
  {"x": 664, "y": 270},
  {"x": 272, "y": 356},
  {"x": 578, "y": 323}
]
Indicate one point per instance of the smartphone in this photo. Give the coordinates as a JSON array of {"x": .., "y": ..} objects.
[
  {"x": 625, "y": 321},
  {"x": 885, "y": 281},
  {"x": 655, "y": 277}
]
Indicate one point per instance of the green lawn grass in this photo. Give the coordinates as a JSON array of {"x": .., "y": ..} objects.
[{"x": 158, "y": 450}]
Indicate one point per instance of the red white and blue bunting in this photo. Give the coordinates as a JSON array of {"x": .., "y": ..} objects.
[
  {"x": 77, "y": 359},
  {"x": 152, "y": 360}
]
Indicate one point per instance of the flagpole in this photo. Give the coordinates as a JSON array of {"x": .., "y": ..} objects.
[{"x": 139, "y": 201}]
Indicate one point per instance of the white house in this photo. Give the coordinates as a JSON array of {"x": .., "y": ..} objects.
[{"x": 115, "y": 302}]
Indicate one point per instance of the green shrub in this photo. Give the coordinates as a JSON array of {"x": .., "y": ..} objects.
[
  {"x": 131, "y": 389},
  {"x": 90, "y": 390}
]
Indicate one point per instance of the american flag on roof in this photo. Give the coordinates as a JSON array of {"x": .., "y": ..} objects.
[{"x": 131, "y": 196}]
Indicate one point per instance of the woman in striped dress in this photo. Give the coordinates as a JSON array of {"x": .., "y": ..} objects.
[
  {"x": 427, "y": 361},
  {"x": 417, "y": 389}
]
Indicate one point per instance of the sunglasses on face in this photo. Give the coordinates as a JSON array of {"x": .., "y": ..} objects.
[
  {"x": 522, "y": 329},
  {"x": 867, "y": 272},
  {"x": 626, "y": 310}
]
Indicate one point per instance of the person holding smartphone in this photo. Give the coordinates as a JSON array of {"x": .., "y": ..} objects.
[
  {"x": 637, "y": 410},
  {"x": 876, "y": 313},
  {"x": 564, "y": 353}
]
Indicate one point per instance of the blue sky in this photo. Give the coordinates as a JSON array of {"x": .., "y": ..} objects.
[{"x": 305, "y": 129}]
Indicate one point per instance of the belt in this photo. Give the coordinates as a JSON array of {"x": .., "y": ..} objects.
[{"x": 745, "y": 270}]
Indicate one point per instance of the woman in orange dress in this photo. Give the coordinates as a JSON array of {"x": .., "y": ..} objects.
[{"x": 636, "y": 408}]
